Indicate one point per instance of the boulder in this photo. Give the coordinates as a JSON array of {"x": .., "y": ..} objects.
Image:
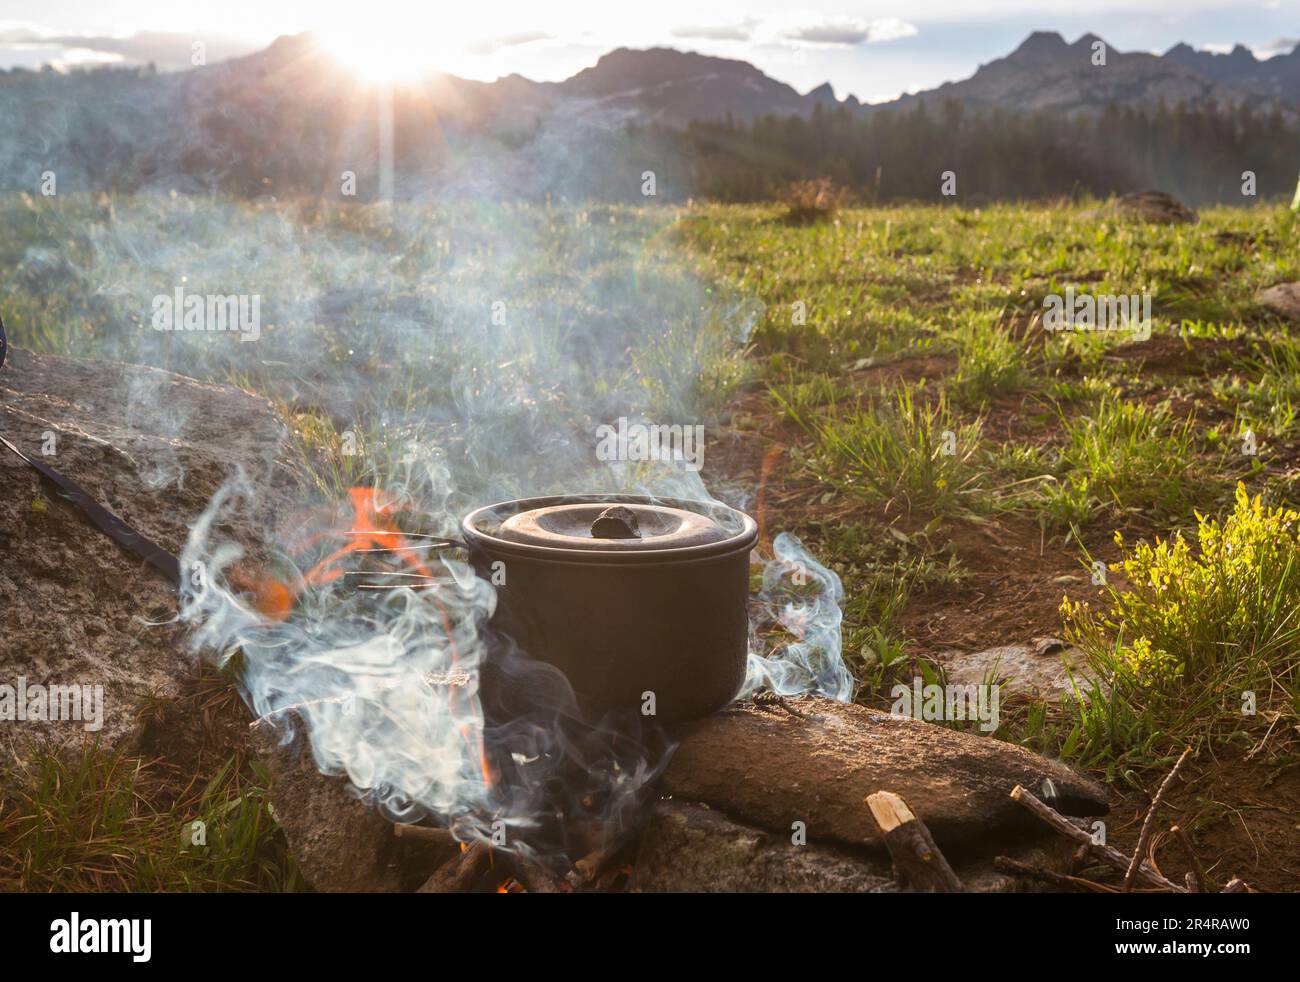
[
  {"x": 341, "y": 843},
  {"x": 814, "y": 760},
  {"x": 150, "y": 446},
  {"x": 690, "y": 848}
]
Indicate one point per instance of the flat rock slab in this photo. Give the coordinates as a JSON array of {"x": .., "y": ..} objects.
[
  {"x": 152, "y": 447},
  {"x": 1041, "y": 668},
  {"x": 1283, "y": 300},
  {"x": 690, "y": 848},
  {"x": 814, "y": 760}
]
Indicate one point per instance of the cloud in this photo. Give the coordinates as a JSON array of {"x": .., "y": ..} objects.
[
  {"x": 1279, "y": 46},
  {"x": 166, "y": 50},
  {"x": 799, "y": 27},
  {"x": 741, "y": 30},
  {"x": 810, "y": 28},
  {"x": 489, "y": 46}
]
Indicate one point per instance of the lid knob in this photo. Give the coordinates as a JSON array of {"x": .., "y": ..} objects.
[{"x": 616, "y": 522}]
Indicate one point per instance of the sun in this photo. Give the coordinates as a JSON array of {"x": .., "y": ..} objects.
[{"x": 387, "y": 54}]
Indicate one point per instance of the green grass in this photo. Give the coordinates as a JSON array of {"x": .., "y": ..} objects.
[
  {"x": 90, "y": 819},
  {"x": 1125, "y": 456},
  {"x": 906, "y": 449},
  {"x": 876, "y": 333},
  {"x": 1095, "y": 441}
]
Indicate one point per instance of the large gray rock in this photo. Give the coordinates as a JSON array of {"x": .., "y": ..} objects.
[
  {"x": 816, "y": 760},
  {"x": 152, "y": 447},
  {"x": 341, "y": 843},
  {"x": 689, "y": 848}
]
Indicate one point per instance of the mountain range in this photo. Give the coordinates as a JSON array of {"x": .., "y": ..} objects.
[
  {"x": 290, "y": 116},
  {"x": 673, "y": 88}
]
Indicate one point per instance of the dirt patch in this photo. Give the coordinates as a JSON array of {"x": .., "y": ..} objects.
[{"x": 1243, "y": 817}]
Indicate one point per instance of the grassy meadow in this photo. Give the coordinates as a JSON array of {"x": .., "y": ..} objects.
[{"x": 974, "y": 479}]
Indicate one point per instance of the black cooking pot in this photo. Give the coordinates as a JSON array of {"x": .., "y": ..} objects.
[{"x": 639, "y": 601}]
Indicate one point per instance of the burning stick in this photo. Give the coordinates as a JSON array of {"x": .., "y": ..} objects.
[
  {"x": 589, "y": 866},
  {"x": 920, "y": 865},
  {"x": 536, "y": 877},
  {"x": 1106, "y": 854},
  {"x": 459, "y": 873},
  {"x": 1148, "y": 824}
]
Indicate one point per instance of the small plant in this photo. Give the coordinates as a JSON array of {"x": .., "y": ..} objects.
[
  {"x": 1202, "y": 638},
  {"x": 1125, "y": 455},
  {"x": 812, "y": 201},
  {"x": 989, "y": 360},
  {"x": 905, "y": 448}
]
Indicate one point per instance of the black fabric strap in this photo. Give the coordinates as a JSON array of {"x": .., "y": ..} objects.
[{"x": 108, "y": 523}]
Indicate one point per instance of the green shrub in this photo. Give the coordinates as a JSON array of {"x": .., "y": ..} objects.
[{"x": 1195, "y": 631}]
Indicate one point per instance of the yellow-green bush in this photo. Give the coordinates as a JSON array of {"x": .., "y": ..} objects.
[{"x": 1196, "y": 629}]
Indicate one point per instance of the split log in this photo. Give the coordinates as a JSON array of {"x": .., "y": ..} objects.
[
  {"x": 459, "y": 873},
  {"x": 1149, "y": 824},
  {"x": 921, "y": 866},
  {"x": 1112, "y": 857}
]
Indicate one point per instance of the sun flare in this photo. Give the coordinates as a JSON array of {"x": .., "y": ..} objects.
[
  {"x": 387, "y": 56},
  {"x": 394, "y": 48}
]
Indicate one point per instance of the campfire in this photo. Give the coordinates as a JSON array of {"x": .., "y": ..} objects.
[{"x": 604, "y": 788}]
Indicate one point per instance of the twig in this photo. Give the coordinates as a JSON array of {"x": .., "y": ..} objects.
[
  {"x": 1196, "y": 878},
  {"x": 1149, "y": 823},
  {"x": 919, "y": 863},
  {"x": 1005, "y": 864},
  {"x": 1108, "y": 855}
]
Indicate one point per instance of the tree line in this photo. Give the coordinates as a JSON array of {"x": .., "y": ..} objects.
[{"x": 1199, "y": 154}]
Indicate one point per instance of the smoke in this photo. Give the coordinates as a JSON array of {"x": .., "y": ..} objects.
[
  {"x": 803, "y": 598},
  {"x": 433, "y": 359}
]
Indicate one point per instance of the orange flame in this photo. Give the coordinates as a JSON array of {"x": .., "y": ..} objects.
[{"x": 372, "y": 527}]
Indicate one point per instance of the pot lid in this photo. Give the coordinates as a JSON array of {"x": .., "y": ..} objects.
[{"x": 605, "y": 524}]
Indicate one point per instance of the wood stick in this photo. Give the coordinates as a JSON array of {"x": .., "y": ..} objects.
[
  {"x": 589, "y": 866},
  {"x": 1195, "y": 878},
  {"x": 423, "y": 833},
  {"x": 920, "y": 866},
  {"x": 536, "y": 877},
  {"x": 1110, "y": 856},
  {"x": 458, "y": 874},
  {"x": 1149, "y": 823}
]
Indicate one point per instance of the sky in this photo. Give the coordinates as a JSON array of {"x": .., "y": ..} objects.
[{"x": 874, "y": 51}]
